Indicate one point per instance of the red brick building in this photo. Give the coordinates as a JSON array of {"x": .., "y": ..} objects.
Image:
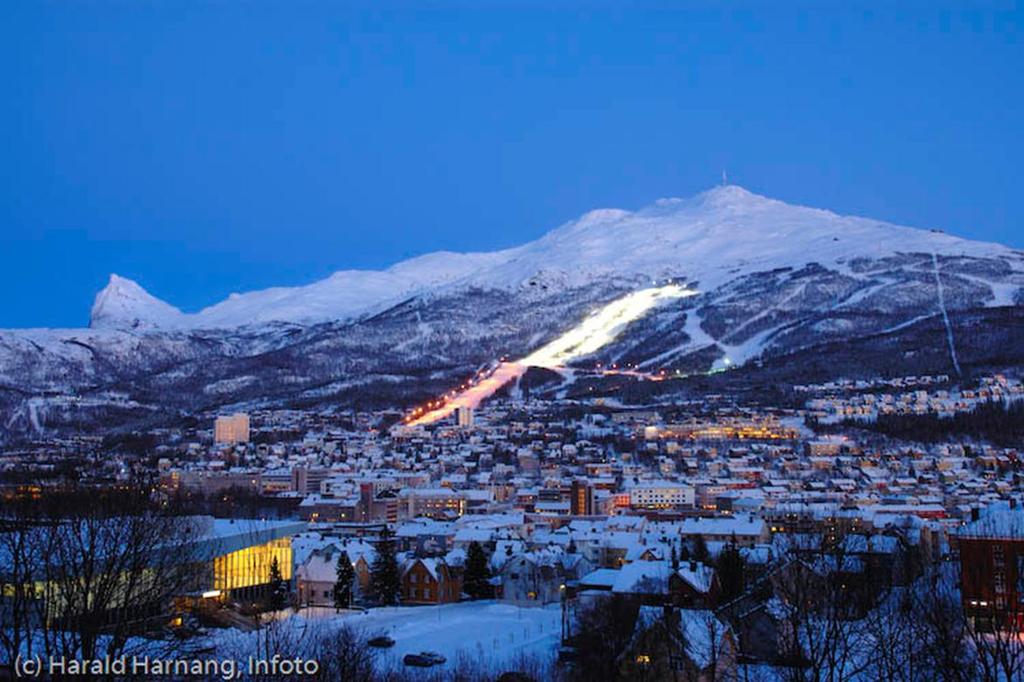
[{"x": 992, "y": 568}]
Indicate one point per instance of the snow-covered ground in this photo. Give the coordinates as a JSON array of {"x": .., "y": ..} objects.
[
  {"x": 485, "y": 631},
  {"x": 497, "y": 632}
]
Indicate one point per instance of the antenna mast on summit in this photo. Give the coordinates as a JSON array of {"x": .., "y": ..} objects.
[{"x": 725, "y": 178}]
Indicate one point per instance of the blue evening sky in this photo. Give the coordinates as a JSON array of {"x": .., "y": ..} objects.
[{"x": 204, "y": 148}]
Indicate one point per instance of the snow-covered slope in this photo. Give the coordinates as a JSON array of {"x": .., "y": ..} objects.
[
  {"x": 123, "y": 304},
  {"x": 799, "y": 292},
  {"x": 708, "y": 239},
  {"x": 717, "y": 235}
]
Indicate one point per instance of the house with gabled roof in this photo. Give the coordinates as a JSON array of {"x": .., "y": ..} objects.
[
  {"x": 693, "y": 585},
  {"x": 429, "y": 581},
  {"x": 541, "y": 575},
  {"x": 679, "y": 644}
]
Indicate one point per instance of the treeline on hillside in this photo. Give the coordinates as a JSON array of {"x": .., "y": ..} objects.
[{"x": 996, "y": 422}]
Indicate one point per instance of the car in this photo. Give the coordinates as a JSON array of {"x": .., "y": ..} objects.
[
  {"x": 417, "y": 660},
  {"x": 515, "y": 676},
  {"x": 434, "y": 657},
  {"x": 381, "y": 642}
]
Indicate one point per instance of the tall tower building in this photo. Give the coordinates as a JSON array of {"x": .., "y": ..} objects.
[
  {"x": 464, "y": 416},
  {"x": 231, "y": 429},
  {"x": 581, "y": 502}
]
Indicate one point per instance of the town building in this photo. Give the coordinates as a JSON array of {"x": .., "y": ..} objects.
[{"x": 231, "y": 429}]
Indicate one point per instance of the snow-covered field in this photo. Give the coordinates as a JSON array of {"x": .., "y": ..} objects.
[
  {"x": 493, "y": 633},
  {"x": 497, "y": 632}
]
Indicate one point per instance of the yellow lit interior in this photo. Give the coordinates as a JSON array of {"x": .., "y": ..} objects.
[{"x": 251, "y": 566}]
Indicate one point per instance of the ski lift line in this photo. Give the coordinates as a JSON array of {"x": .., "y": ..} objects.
[{"x": 945, "y": 315}]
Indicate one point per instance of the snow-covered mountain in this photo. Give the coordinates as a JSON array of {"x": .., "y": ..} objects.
[
  {"x": 123, "y": 304},
  {"x": 794, "y": 290},
  {"x": 710, "y": 239},
  {"x": 126, "y": 305}
]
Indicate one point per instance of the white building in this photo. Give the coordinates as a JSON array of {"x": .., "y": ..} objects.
[{"x": 660, "y": 494}]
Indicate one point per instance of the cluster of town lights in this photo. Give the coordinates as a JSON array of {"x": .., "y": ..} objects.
[{"x": 596, "y": 331}]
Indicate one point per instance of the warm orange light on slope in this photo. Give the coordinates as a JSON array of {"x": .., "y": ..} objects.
[{"x": 595, "y": 332}]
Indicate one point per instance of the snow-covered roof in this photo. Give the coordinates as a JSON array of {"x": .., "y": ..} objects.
[
  {"x": 734, "y": 525},
  {"x": 456, "y": 557},
  {"x": 424, "y": 526},
  {"x": 320, "y": 566},
  {"x": 996, "y": 521},
  {"x": 879, "y": 544},
  {"x": 646, "y": 577},
  {"x": 480, "y": 535},
  {"x": 431, "y": 564},
  {"x": 601, "y": 577},
  {"x": 697, "y": 575}
]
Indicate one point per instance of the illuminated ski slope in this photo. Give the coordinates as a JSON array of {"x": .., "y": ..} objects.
[{"x": 595, "y": 332}]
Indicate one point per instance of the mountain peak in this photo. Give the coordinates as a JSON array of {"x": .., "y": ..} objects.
[
  {"x": 117, "y": 283},
  {"x": 124, "y": 304},
  {"x": 724, "y": 196},
  {"x": 711, "y": 238},
  {"x": 727, "y": 198}
]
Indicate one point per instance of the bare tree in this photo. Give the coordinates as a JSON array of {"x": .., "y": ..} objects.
[
  {"x": 999, "y": 646},
  {"x": 104, "y": 566},
  {"x": 18, "y": 569},
  {"x": 709, "y": 645},
  {"x": 822, "y": 638},
  {"x": 945, "y": 650},
  {"x": 896, "y": 639},
  {"x": 344, "y": 655},
  {"x": 602, "y": 632},
  {"x": 912, "y": 633},
  {"x": 341, "y": 651}
]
